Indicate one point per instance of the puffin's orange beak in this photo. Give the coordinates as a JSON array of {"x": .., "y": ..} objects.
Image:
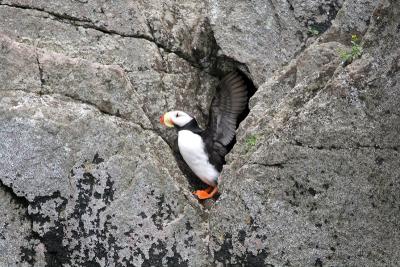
[{"x": 166, "y": 120}]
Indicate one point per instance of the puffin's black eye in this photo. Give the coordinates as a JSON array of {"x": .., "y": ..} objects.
[{"x": 177, "y": 114}]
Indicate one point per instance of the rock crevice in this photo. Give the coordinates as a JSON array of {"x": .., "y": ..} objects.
[{"x": 89, "y": 178}]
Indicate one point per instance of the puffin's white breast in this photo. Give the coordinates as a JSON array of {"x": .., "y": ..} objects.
[{"x": 192, "y": 149}]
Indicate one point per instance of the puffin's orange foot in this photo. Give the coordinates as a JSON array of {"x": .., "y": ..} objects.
[{"x": 207, "y": 193}]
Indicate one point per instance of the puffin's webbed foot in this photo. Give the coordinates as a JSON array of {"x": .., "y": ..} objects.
[{"x": 207, "y": 193}]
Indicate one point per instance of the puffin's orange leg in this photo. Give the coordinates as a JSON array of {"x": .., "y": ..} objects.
[{"x": 207, "y": 193}]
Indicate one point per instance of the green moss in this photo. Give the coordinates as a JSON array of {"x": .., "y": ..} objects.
[
  {"x": 250, "y": 142},
  {"x": 313, "y": 31}
]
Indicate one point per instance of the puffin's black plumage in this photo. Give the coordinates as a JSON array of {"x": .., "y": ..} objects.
[
  {"x": 228, "y": 103},
  {"x": 192, "y": 126}
]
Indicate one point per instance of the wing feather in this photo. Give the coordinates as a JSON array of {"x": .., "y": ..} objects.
[{"x": 228, "y": 103}]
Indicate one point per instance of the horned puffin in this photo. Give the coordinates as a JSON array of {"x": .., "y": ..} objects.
[{"x": 204, "y": 150}]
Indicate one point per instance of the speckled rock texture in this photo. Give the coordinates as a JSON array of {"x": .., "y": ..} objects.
[{"x": 88, "y": 177}]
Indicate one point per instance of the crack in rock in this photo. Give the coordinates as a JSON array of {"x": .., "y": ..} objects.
[{"x": 88, "y": 24}]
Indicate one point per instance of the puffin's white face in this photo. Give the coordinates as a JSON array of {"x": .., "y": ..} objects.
[{"x": 176, "y": 117}]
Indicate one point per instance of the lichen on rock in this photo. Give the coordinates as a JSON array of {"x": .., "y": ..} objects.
[{"x": 89, "y": 178}]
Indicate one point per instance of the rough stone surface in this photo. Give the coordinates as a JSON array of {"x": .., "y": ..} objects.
[
  {"x": 15, "y": 230},
  {"x": 266, "y": 35},
  {"x": 320, "y": 185},
  {"x": 96, "y": 186},
  {"x": 88, "y": 177}
]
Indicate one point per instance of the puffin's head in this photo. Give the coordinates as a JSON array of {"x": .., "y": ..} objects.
[{"x": 175, "y": 118}]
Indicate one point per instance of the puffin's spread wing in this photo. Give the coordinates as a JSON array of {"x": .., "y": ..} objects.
[{"x": 229, "y": 102}]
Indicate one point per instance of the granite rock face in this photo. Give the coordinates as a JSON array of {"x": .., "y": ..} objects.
[
  {"x": 88, "y": 177},
  {"x": 99, "y": 192},
  {"x": 313, "y": 179},
  {"x": 265, "y": 35}
]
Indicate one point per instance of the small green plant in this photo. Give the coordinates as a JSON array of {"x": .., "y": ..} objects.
[
  {"x": 250, "y": 141},
  {"x": 355, "y": 52},
  {"x": 313, "y": 31}
]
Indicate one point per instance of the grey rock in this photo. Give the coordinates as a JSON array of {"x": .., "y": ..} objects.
[
  {"x": 105, "y": 86},
  {"x": 88, "y": 176},
  {"x": 16, "y": 243},
  {"x": 321, "y": 178},
  {"x": 151, "y": 70},
  {"x": 265, "y": 35},
  {"x": 180, "y": 27},
  {"x": 19, "y": 66},
  {"x": 107, "y": 201},
  {"x": 353, "y": 18}
]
